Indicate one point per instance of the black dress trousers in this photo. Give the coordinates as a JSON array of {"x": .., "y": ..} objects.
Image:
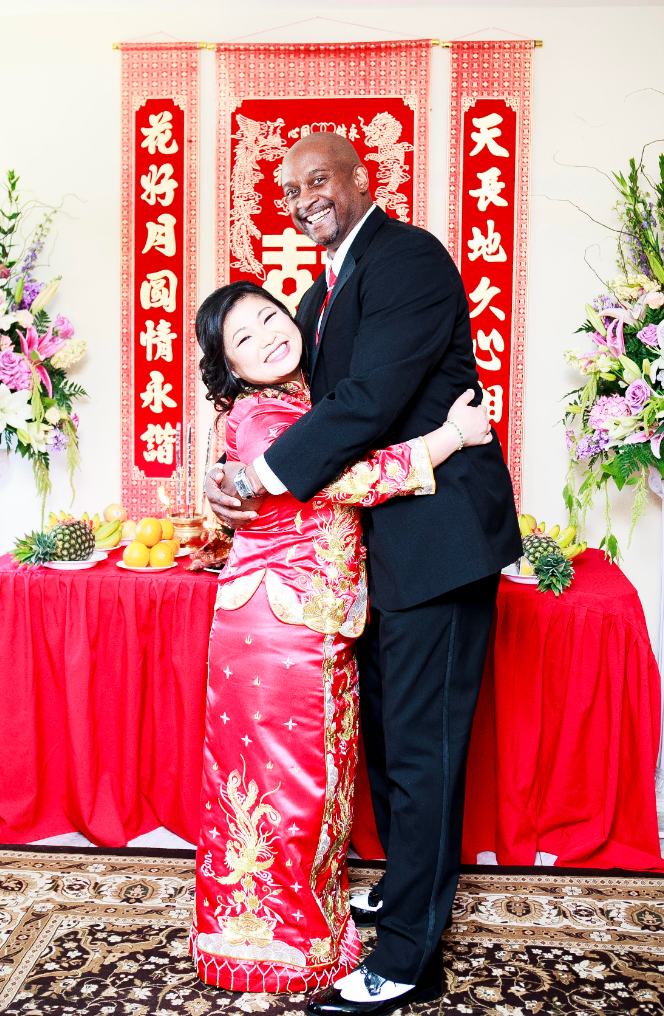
[{"x": 416, "y": 720}]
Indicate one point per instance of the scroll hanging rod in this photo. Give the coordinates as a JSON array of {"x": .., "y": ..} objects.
[
  {"x": 213, "y": 45},
  {"x": 537, "y": 43}
]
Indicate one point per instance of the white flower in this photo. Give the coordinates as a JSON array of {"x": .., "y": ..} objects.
[
  {"x": 35, "y": 434},
  {"x": 6, "y": 321},
  {"x": 654, "y": 300},
  {"x": 70, "y": 353},
  {"x": 15, "y": 410},
  {"x": 53, "y": 416}
]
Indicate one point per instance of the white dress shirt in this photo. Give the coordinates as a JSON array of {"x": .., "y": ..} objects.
[{"x": 267, "y": 476}]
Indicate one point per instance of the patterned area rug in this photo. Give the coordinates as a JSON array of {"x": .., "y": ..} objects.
[{"x": 105, "y": 934}]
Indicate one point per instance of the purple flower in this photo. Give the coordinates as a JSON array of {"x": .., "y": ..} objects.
[
  {"x": 569, "y": 439},
  {"x": 63, "y": 327},
  {"x": 58, "y": 441},
  {"x": 648, "y": 335},
  {"x": 15, "y": 370},
  {"x": 637, "y": 395},
  {"x": 583, "y": 449},
  {"x": 30, "y": 292}
]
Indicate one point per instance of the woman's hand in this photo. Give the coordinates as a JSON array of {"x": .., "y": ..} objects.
[{"x": 472, "y": 421}]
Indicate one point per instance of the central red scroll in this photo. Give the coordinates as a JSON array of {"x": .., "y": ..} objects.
[{"x": 270, "y": 96}]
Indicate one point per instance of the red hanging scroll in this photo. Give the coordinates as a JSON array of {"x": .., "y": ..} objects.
[
  {"x": 269, "y": 96},
  {"x": 489, "y": 170},
  {"x": 159, "y": 261}
]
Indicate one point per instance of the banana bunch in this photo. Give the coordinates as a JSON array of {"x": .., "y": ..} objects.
[
  {"x": 108, "y": 535},
  {"x": 564, "y": 538},
  {"x": 55, "y": 517}
]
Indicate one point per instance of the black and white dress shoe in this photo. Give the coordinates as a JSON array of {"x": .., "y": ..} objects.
[
  {"x": 362, "y": 991},
  {"x": 364, "y": 906}
]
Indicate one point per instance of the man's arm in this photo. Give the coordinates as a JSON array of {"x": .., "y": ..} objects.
[{"x": 410, "y": 299}]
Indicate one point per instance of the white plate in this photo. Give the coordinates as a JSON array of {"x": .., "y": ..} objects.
[
  {"x": 215, "y": 571},
  {"x": 148, "y": 567},
  {"x": 124, "y": 542},
  {"x": 183, "y": 552},
  {"x": 95, "y": 558},
  {"x": 512, "y": 574}
]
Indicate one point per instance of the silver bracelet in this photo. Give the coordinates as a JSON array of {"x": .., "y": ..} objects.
[{"x": 453, "y": 424}]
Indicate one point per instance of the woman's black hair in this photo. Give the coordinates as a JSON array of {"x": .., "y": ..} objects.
[{"x": 223, "y": 387}]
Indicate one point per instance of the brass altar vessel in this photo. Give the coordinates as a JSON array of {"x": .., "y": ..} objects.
[{"x": 189, "y": 529}]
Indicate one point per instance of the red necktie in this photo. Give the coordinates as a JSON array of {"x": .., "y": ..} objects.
[{"x": 330, "y": 286}]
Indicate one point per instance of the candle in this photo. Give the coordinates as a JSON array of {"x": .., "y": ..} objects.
[
  {"x": 190, "y": 471},
  {"x": 208, "y": 463},
  {"x": 178, "y": 466}
]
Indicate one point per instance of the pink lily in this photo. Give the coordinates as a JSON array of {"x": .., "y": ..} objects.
[
  {"x": 655, "y": 443},
  {"x": 44, "y": 346},
  {"x": 614, "y": 341}
]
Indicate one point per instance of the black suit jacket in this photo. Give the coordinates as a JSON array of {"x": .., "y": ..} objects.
[{"x": 395, "y": 352}]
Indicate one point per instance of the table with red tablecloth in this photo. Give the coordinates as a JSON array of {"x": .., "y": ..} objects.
[{"x": 102, "y": 690}]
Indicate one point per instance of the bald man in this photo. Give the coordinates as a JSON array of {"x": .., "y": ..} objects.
[{"x": 388, "y": 335}]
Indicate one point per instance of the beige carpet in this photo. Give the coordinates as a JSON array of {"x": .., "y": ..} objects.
[{"x": 107, "y": 934}]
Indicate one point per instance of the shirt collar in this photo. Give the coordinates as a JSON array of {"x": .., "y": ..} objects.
[{"x": 339, "y": 257}]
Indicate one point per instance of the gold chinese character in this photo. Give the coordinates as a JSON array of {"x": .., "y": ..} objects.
[
  {"x": 488, "y": 131},
  {"x": 158, "y": 290},
  {"x": 158, "y": 134},
  {"x": 487, "y": 247},
  {"x": 156, "y": 393},
  {"x": 158, "y": 185},
  {"x": 489, "y": 190},
  {"x": 483, "y": 296},
  {"x": 161, "y": 338},
  {"x": 161, "y": 235}
]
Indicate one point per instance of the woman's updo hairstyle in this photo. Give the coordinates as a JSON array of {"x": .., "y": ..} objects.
[{"x": 223, "y": 387}]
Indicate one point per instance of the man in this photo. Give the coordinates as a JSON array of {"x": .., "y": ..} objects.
[{"x": 388, "y": 334}]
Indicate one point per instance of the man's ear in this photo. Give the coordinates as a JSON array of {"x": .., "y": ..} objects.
[{"x": 361, "y": 178}]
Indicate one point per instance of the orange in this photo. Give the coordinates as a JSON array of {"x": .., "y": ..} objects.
[
  {"x": 136, "y": 555},
  {"x": 129, "y": 530},
  {"x": 161, "y": 555},
  {"x": 167, "y": 530},
  {"x": 115, "y": 511},
  {"x": 174, "y": 543},
  {"x": 148, "y": 531}
]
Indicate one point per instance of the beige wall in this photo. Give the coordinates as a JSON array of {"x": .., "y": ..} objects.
[{"x": 595, "y": 104}]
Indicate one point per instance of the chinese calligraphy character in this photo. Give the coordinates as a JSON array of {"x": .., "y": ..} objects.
[
  {"x": 161, "y": 235},
  {"x": 492, "y": 400},
  {"x": 163, "y": 438},
  {"x": 158, "y": 185},
  {"x": 158, "y": 290},
  {"x": 485, "y": 343},
  {"x": 156, "y": 393},
  {"x": 483, "y": 296},
  {"x": 488, "y": 247},
  {"x": 158, "y": 134},
  {"x": 489, "y": 189},
  {"x": 485, "y": 136},
  {"x": 288, "y": 258},
  {"x": 161, "y": 338}
]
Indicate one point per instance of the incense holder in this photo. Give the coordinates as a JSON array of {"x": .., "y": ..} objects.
[{"x": 189, "y": 529}]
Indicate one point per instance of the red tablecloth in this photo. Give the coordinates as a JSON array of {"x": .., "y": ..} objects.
[{"x": 103, "y": 694}]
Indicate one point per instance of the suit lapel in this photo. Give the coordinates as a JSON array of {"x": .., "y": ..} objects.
[{"x": 357, "y": 249}]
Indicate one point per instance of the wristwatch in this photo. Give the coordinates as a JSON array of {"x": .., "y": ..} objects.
[{"x": 242, "y": 485}]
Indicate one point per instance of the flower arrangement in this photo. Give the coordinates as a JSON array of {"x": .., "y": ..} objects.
[
  {"x": 36, "y": 398},
  {"x": 615, "y": 421}
]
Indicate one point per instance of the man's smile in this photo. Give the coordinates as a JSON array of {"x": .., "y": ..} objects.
[{"x": 317, "y": 216}]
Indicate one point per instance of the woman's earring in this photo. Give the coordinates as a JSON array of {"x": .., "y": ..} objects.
[{"x": 236, "y": 376}]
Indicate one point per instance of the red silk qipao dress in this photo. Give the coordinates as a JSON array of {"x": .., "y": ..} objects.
[{"x": 272, "y": 907}]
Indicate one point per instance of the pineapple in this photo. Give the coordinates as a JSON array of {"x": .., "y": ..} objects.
[
  {"x": 548, "y": 562},
  {"x": 68, "y": 541}
]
